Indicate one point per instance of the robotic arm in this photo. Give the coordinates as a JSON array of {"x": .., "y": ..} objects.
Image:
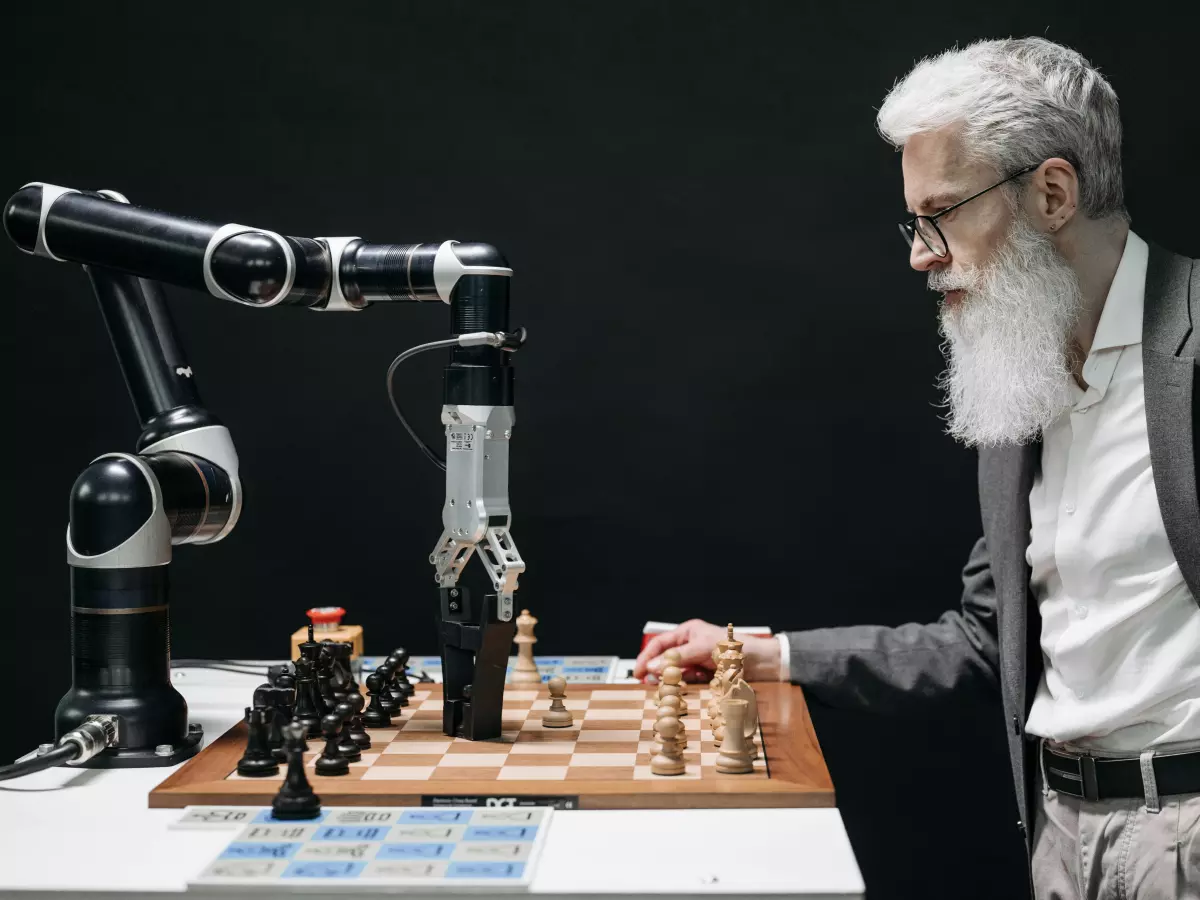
[{"x": 182, "y": 485}]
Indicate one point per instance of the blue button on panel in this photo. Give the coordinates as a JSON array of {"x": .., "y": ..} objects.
[
  {"x": 485, "y": 870},
  {"x": 261, "y": 850},
  {"x": 440, "y": 816},
  {"x": 324, "y": 870},
  {"x": 352, "y": 833},
  {"x": 266, "y": 817},
  {"x": 500, "y": 833},
  {"x": 414, "y": 851}
]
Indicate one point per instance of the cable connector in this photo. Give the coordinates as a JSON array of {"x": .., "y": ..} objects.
[
  {"x": 505, "y": 340},
  {"x": 94, "y": 734}
]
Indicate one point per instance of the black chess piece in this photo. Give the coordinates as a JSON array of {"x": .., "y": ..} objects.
[
  {"x": 375, "y": 715},
  {"x": 399, "y": 698},
  {"x": 308, "y": 709},
  {"x": 357, "y": 734},
  {"x": 331, "y": 761},
  {"x": 278, "y": 702},
  {"x": 295, "y": 799},
  {"x": 345, "y": 651},
  {"x": 404, "y": 685},
  {"x": 309, "y": 649},
  {"x": 345, "y": 741},
  {"x": 385, "y": 672},
  {"x": 275, "y": 672},
  {"x": 324, "y": 676},
  {"x": 276, "y": 720},
  {"x": 257, "y": 760}
]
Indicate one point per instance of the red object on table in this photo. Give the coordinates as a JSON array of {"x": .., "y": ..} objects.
[{"x": 326, "y": 618}]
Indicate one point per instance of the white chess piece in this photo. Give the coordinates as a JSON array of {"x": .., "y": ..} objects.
[
  {"x": 734, "y": 758},
  {"x": 668, "y": 760},
  {"x": 525, "y": 671},
  {"x": 558, "y": 716}
]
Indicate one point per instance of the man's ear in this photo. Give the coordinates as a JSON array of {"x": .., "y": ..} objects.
[{"x": 1055, "y": 194}]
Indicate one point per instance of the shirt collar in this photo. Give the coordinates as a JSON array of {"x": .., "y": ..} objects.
[{"x": 1121, "y": 319}]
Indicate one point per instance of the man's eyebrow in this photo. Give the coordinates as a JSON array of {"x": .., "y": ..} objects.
[{"x": 946, "y": 198}]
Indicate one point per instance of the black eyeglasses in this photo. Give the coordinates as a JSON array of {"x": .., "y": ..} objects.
[{"x": 927, "y": 227}]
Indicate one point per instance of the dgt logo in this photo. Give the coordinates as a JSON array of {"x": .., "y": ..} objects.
[{"x": 501, "y": 801}]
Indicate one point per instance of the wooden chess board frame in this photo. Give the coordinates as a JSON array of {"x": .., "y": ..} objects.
[{"x": 791, "y": 772}]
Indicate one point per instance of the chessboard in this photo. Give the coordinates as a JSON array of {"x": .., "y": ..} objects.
[{"x": 602, "y": 761}]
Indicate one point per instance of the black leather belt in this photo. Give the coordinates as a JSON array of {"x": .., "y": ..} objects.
[{"x": 1099, "y": 778}]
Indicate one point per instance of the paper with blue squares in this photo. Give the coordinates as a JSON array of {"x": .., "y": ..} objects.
[{"x": 375, "y": 848}]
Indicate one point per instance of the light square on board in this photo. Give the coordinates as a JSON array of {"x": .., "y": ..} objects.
[
  {"x": 473, "y": 760},
  {"x": 608, "y": 736},
  {"x": 604, "y": 759},
  {"x": 398, "y": 773},
  {"x": 417, "y": 747},
  {"x": 615, "y": 714},
  {"x": 638, "y": 694}
]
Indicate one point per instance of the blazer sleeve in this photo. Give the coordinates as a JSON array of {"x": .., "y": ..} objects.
[{"x": 876, "y": 668}]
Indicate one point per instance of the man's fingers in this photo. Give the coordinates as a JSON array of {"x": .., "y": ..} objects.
[{"x": 658, "y": 645}]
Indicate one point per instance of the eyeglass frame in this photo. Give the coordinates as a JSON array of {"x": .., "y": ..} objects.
[{"x": 909, "y": 228}]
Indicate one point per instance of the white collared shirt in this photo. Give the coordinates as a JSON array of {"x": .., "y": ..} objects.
[{"x": 1120, "y": 629}]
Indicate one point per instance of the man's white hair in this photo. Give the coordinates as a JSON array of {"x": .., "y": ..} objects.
[{"x": 1019, "y": 102}]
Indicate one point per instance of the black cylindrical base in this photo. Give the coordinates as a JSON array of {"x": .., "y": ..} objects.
[{"x": 121, "y": 654}]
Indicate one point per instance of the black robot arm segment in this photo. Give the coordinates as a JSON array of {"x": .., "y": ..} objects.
[{"x": 251, "y": 266}]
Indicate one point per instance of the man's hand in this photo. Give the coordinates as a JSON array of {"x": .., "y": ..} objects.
[{"x": 695, "y": 640}]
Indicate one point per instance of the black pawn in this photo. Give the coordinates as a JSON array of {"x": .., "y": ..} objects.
[
  {"x": 257, "y": 760},
  {"x": 357, "y": 734},
  {"x": 403, "y": 684},
  {"x": 345, "y": 741},
  {"x": 396, "y": 664},
  {"x": 385, "y": 672},
  {"x": 375, "y": 716},
  {"x": 295, "y": 799},
  {"x": 331, "y": 761}
]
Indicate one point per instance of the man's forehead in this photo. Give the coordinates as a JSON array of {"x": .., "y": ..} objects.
[{"x": 935, "y": 169}]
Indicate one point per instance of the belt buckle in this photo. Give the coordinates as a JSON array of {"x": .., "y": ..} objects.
[{"x": 1087, "y": 770}]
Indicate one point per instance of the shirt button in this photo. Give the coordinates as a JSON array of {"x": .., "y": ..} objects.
[
  {"x": 1081, "y": 611},
  {"x": 1070, "y": 509},
  {"x": 1083, "y": 412}
]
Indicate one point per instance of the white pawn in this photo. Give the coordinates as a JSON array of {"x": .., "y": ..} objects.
[
  {"x": 672, "y": 686},
  {"x": 668, "y": 760},
  {"x": 558, "y": 716},
  {"x": 670, "y": 707}
]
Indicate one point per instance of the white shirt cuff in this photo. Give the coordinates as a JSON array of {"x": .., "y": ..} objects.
[{"x": 785, "y": 657}]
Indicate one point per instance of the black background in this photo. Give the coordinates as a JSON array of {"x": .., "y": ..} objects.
[{"x": 726, "y": 407}]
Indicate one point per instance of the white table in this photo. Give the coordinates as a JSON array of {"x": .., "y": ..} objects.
[{"x": 89, "y": 832}]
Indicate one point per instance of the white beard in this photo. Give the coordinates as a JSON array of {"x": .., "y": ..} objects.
[{"x": 1008, "y": 368}]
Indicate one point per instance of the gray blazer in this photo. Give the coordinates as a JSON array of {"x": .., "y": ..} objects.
[{"x": 993, "y": 641}]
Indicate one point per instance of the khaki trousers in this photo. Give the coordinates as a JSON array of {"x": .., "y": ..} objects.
[{"x": 1116, "y": 849}]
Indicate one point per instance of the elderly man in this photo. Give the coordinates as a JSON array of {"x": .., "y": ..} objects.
[{"x": 1071, "y": 349}]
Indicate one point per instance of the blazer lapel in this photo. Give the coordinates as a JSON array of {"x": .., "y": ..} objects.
[
  {"x": 1169, "y": 374},
  {"x": 1008, "y": 474}
]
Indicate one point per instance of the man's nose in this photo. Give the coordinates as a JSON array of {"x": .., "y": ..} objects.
[{"x": 923, "y": 259}]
